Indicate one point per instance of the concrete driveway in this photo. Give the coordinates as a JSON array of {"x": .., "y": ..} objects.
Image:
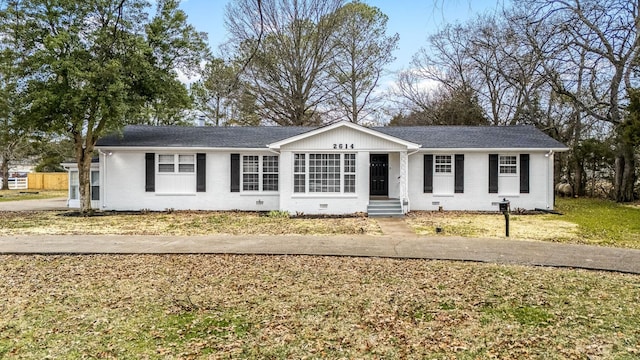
[{"x": 35, "y": 205}]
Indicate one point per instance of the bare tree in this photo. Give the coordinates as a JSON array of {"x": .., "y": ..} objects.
[
  {"x": 601, "y": 39},
  {"x": 288, "y": 43},
  {"x": 361, "y": 51}
]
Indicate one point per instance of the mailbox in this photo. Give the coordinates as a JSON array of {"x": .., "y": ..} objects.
[
  {"x": 505, "y": 208},
  {"x": 505, "y": 205}
]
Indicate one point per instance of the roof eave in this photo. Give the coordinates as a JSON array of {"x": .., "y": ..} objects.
[{"x": 278, "y": 144}]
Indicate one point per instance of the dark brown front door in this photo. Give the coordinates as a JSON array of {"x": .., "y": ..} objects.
[{"x": 379, "y": 175}]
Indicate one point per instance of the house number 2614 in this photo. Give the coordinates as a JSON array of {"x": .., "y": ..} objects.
[{"x": 343, "y": 146}]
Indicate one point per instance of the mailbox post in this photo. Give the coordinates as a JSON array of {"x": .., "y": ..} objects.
[{"x": 505, "y": 207}]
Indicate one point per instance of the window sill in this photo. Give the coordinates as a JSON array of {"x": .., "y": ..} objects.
[
  {"x": 175, "y": 194},
  {"x": 324, "y": 196},
  {"x": 259, "y": 193}
]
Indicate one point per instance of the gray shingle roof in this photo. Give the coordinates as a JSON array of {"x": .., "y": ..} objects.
[{"x": 430, "y": 137}]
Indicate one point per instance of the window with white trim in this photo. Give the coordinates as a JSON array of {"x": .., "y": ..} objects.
[
  {"x": 95, "y": 185},
  {"x": 443, "y": 164},
  {"x": 508, "y": 164},
  {"x": 167, "y": 163},
  {"x": 260, "y": 173},
  {"x": 349, "y": 173},
  {"x": 299, "y": 173},
  {"x": 324, "y": 173},
  {"x": 74, "y": 185},
  {"x": 250, "y": 173},
  {"x": 269, "y": 173}
]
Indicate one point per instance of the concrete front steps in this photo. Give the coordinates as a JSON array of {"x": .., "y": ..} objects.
[{"x": 385, "y": 208}]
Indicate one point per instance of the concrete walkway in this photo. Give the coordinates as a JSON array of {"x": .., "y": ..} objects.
[
  {"x": 398, "y": 241},
  {"x": 444, "y": 248}
]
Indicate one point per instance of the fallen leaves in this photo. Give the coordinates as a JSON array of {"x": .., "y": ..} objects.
[
  {"x": 228, "y": 306},
  {"x": 180, "y": 223}
]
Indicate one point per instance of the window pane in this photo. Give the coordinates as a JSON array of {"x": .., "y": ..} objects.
[
  {"x": 508, "y": 164},
  {"x": 166, "y": 163},
  {"x": 250, "y": 182},
  {"x": 270, "y": 182},
  {"x": 299, "y": 163},
  {"x": 250, "y": 164},
  {"x": 443, "y": 164},
  {"x": 270, "y": 164},
  {"x": 349, "y": 183},
  {"x": 186, "y": 168},
  {"x": 165, "y": 168},
  {"x": 324, "y": 173},
  {"x": 349, "y": 163},
  {"x": 298, "y": 183},
  {"x": 73, "y": 177},
  {"x": 73, "y": 185},
  {"x": 185, "y": 159}
]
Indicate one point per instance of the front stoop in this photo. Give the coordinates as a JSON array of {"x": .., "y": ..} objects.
[{"x": 385, "y": 208}]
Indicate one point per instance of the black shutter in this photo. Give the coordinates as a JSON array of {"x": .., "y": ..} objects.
[
  {"x": 235, "y": 172},
  {"x": 428, "y": 173},
  {"x": 493, "y": 173},
  {"x": 150, "y": 172},
  {"x": 201, "y": 175},
  {"x": 524, "y": 173},
  {"x": 459, "y": 180}
]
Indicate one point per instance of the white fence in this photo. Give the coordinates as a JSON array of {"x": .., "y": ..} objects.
[{"x": 18, "y": 183}]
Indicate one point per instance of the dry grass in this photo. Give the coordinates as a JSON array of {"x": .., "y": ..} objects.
[
  {"x": 492, "y": 225},
  {"x": 179, "y": 223},
  {"x": 220, "y": 306},
  {"x": 13, "y": 195}
]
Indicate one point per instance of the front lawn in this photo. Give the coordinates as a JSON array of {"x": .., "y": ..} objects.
[
  {"x": 584, "y": 221},
  {"x": 13, "y": 195},
  {"x": 180, "y": 223},
  {"x": 274, "y": 307}
]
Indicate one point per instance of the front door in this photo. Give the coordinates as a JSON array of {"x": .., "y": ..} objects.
[{"x": 379, "y": 175}]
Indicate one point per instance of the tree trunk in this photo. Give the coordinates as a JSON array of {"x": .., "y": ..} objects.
[
  {"x": 83, "y": 159},
  {"x": 625, "y": 173},
  {"x": 579, "y": 178},
  {"x": 5, "y": 173}
]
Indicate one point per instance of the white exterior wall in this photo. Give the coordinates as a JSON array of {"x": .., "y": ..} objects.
[
  {"x": 338, "y": 203},
  {"x": 123, "y": 178},
  {"x": 124, "y": 185},
  {"x": 476, "y": 194}
]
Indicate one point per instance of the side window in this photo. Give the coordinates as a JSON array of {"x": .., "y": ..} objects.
[
  {"x": 299, "y": 173},
  {"x": 250, "y": 173},
  {"x": 269, "y": 173},
  {"x": 508, "y": 164},
  {"x": 74, "y": 185},
  {"x": 95, "y": 185},
  {"x": 443, "y": 164}
]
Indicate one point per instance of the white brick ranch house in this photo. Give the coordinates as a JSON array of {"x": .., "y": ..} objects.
[{"x": 340, "y": 168}]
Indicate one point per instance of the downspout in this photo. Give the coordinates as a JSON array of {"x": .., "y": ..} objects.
[
  {"x": 102, "y": 167},
  {"x": 407, "y": 207},
  {"x": 549, "y": 157}
]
